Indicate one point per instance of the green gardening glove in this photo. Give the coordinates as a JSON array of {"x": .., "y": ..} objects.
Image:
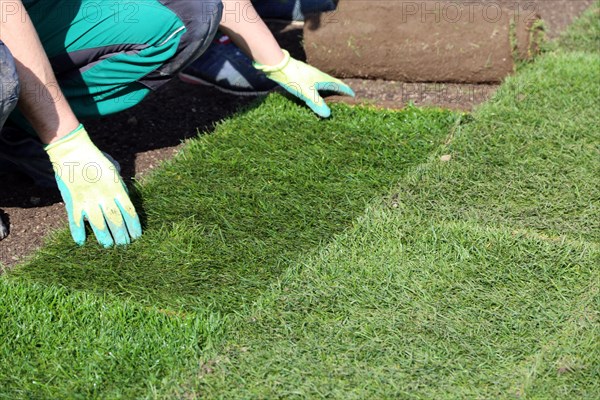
[
  {"x": 92, "y": 190},
  {"x": 304, "y": 82}
]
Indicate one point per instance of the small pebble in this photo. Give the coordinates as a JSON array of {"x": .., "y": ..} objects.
[{"x": 446, "y": 158}]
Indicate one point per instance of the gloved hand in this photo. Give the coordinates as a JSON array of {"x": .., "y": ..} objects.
[
  {"x": 304, "y": 82},
  {"x": 92, "y": 190}
]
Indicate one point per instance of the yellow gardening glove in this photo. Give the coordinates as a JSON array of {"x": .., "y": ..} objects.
[
  {"x": 304, "y": 82},
  {"x": 92, "y": 190}
]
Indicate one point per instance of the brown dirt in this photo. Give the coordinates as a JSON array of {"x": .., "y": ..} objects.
[
  {"x": 141, "y": 137},
  {"x": 394, "y": 94}
]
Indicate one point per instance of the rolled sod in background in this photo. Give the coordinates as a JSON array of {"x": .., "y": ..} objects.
[{"x": 426, "y": 41}]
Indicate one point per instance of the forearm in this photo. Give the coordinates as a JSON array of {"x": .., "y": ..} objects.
[
  {"x": 249, "y": 32},
  {"x": 41, "y": 100}
]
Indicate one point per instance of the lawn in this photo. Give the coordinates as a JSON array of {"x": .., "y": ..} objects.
[
  {"x": 285, "y": 256},
  {"x": 224, "y": 219}
]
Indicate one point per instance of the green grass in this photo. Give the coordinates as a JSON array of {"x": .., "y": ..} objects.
[
  {"x": 57, "y": 344},
  {"x": 290, "y": 257},
  {"x": 584, "y": 34},
  {"x": 233, "y": 211},
  {"x": 530, "y": 157},
  {"x": 407, "y": 307},
  {"x": 478, "y": 278},
  {"x": 224, "y": 219}
]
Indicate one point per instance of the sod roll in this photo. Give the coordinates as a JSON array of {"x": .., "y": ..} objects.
[{"x": 427, "y": 41}]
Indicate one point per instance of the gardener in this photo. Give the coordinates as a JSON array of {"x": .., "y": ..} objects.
[{"x": 106, "y": 57}]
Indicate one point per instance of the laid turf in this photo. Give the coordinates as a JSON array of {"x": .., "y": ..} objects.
[
  {"x": 410, "y": 307},
  {"x": 529, "y": 159},
  {"x": 223, "y": 220},
  {"x": 57, "y": 344},
  {"x": 478, "y": 278},
  {"x": 232, "y": 211},
  {"x": 290, "y": 257},
  {"x": 584, "y": 34}
]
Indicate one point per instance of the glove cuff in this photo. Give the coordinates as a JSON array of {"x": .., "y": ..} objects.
[
  {"x": 274, "y": 68},
  {"x": 69, "y": 137}
]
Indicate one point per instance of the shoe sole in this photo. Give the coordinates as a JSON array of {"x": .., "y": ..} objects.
[
  {"x": 194, "y": 80},
  {"x": 297, "y": 24}
]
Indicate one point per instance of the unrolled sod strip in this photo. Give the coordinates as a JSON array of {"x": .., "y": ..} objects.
[{"x": 426, "y": 41}]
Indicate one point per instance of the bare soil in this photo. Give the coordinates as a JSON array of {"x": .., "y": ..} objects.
[{"x": 140, "y": 138}]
